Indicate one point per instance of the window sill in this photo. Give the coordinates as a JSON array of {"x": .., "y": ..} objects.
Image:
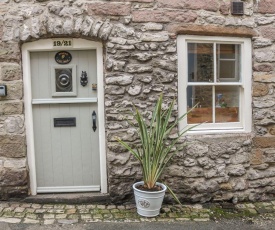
[{"x": 217, "y": 131}]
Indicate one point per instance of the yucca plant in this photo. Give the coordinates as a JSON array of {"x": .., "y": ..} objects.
[{"x": 156, "y": 149}]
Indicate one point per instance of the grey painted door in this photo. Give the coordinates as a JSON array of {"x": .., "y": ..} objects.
[{"x": 66, "y": 146}]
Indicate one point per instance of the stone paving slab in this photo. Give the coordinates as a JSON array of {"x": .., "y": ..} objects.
[{"x": 17, "y": 212}]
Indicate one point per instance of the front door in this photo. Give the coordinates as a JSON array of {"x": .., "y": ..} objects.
[{"x": 64, "y": 105}]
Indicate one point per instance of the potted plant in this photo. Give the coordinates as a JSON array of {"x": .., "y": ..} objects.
[{"x": 154, "y": 153}]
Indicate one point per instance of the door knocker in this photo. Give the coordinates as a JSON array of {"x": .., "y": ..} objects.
[{"x": 83, "y": 78}]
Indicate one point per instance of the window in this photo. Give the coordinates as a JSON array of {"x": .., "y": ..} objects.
[{"x": 215, "y": 74}]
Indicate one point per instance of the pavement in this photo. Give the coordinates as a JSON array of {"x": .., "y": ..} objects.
[
  {"x": 21, "y": 215},
  {"x": 189, "y": 225}
]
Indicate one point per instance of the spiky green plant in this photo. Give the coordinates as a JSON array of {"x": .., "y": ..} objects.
[{"x": 156, "y": 148}]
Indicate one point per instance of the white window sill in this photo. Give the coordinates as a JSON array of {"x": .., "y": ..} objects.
[{"x": 217, "y": 131}]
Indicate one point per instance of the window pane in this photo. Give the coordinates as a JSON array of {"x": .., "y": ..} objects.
[
  {"x": 227, "y": 70},
  {"x": 227, "y": 103},
  {"x": 228, "y": 62},
  {"x": 200, "y": 62},
  {"x": 227, "y": 51},
  {"x": 203, "y": 96}
]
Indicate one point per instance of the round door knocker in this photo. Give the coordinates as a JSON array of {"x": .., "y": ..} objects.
[{"x": 63, "y": 80}]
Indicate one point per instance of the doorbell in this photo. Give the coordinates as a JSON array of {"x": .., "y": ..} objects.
[{"x": 3, "y": 90}]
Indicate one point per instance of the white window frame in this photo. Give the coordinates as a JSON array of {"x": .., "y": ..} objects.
[{"x": 245, "y": 113}]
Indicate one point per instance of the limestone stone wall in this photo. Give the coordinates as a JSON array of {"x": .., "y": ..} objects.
[{"x": 140, "y": 62}]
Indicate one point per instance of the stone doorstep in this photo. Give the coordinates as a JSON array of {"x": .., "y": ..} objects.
[{"x": 69, "y": 198}]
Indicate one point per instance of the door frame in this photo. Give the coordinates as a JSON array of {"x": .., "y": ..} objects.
[{"x": 47, "y": 45}]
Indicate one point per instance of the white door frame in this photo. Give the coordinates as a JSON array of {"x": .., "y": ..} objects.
[{"x": 47, "y": 45}]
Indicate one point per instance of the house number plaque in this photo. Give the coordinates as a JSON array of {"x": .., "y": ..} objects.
[{"x": 57, "y": 43}]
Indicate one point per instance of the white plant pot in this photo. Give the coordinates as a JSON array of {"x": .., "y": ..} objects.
[{"x": 148, "y": 203}]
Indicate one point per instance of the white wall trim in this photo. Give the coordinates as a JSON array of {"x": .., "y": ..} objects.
[
  {"x": 47, "y": 45},
  {"x": 28, "y": 117}
]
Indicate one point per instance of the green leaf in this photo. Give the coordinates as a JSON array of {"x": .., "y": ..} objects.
[{"x": 173, "y": 194}]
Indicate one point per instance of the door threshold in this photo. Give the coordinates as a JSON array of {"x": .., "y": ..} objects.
[{"x": 69, "y": 198}]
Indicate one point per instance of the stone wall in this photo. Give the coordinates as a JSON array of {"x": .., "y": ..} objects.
[{"x": 140, "y": 61}]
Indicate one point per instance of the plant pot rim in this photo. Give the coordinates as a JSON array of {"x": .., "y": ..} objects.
[{"x": 164, "y": 188}]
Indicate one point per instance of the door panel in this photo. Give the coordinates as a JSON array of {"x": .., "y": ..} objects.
[
  {"x": 42, "y": 63},
  {"x": 67, "y": 158}
]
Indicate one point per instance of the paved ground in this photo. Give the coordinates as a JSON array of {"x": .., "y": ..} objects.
[
  {"x": 188, "y": 225},
  {"x": 30, "y": 216}
]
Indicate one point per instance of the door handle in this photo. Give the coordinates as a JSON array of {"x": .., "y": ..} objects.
[{"x": 94, "y": 120}]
